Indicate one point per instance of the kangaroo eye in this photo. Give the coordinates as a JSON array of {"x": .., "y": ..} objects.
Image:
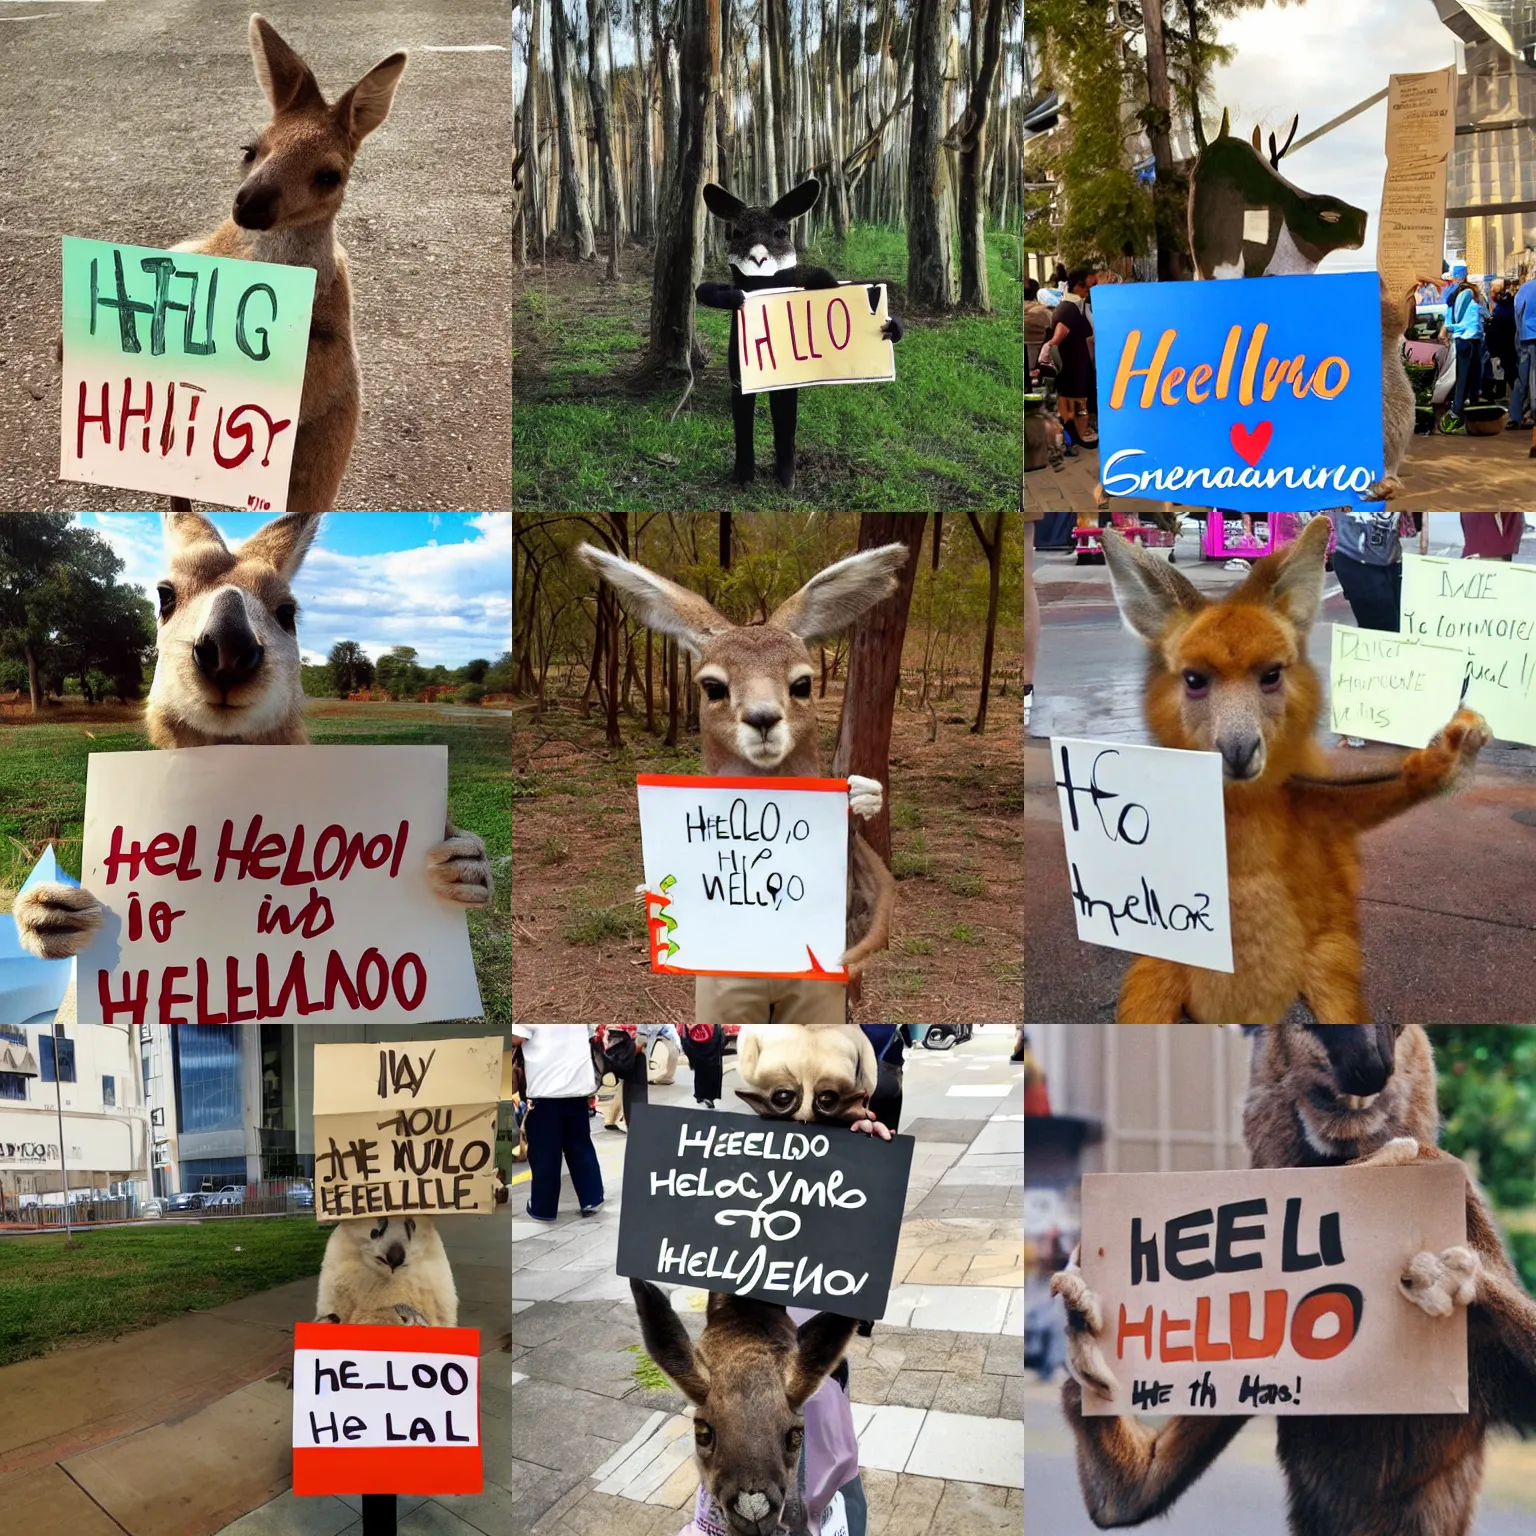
[
  {"x": 783, "y": 1098},
  {"x": 284, "y": 614},
  {"x": 714, "y": 689},
  {"x": 327, "y": 178},
  {"x": 247, "y": 153},
  {"x": 1271, "y": 679},
  {"x": 1196, "y": 684},
  {"x": 800, "y": 688},
  {"x": 781, "y": 233},
  {"x": 826, "y": 1101},
  {"x": 703, "y": 1434},
  {"x": 167, "y": 595}
]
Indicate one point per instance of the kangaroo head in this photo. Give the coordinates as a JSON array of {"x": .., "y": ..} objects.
[
  {"x": 227, "y": 651},
  {"x": 809, "y": 1072},
  {"x": 758, "y": 241},
  {"x": 1327, "y": 1093},
  {"x": 1230, "y": 676},
  {"x": 756, "y": 715},
  {"x": 296, "y": 168},
  {"x": 748, "y": 1378}
]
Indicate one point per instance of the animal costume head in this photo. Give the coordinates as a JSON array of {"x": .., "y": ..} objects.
[{"x": 759, "y": 242}]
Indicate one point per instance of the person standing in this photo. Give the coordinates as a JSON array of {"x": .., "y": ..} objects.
[
  {"x": 704, "y": 1046},
  {"x": 1501, "y": 330},
  {"x": 1368, "y": 560},
  {"x": 1491, "y": 535},
  {"x": 624, "y": 1058},
  {"x": 1464, "y": 323},
  {"x": 1073, "y": 340},
  {"x": 1037, "y": 326},
  {"x": 557, "y": 1063},
  {"x": 1522, "y": 402}
]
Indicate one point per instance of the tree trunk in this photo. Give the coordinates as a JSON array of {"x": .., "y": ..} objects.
[
  {"x": 650, "y": 684},
  {"x": 874, "y": 671},
  {"x": 671, "y": 650},
  {"x": 973, "y": 156},
  {"x": 601, "y": 97},
  {"x": 765, "y": 124},
  {"x": 575, "y": 211},
  {"x": 32, "y": 686},
  {"x": 725, "y": 541},
  {"x": 1159, "y": 121},
  {"x": 930, "y": 256},
  {"x": 993, "y": 549},
  {"x": 611, "y": 733},
  {"x": 679, "y": 260},
  {"x": 837, "y": 112},
  {"x": 645, "y": 217},
  {"x": 532, "y": 201}
]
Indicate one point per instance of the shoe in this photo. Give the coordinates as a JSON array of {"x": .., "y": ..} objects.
[
  {"x": 1452, "y": 426},
  {"x": 1353, "y": 741},
  {"x": 706, "y": 1103},
  {"x": 1518, "y": 426},
  {"x": 1235, "y": 564},
  {"x": 548, "y": 1221},
  {"x": 587, "y": 1210}
]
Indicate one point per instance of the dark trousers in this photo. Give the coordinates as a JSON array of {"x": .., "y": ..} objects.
[
  {"x": 886, "y": 1099},
  {"x": 1469, "y": 372},
  {"x": 708, "y": 1063},
  {"x": 553, "y": 1127},
  {"x": 1374, "y": 592}
]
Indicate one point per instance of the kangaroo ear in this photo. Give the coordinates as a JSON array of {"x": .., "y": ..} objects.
[
  {"x": 798, "y": 200},
  {"x": 367, "y": 104},
  {"x": 283, "y": 542},
  {"x": 1298, "y": 578},
  {"x": 820, "y": 1344},
  {"x": 832, "y": 599},
  {"x": 722, "y": 204},
  {"x": 667, "y": 1341},
  {"x": 1148, "y": 592},
  {"x": 283, "y": 75},
  {"x": 662, "y": 604},
  {"x": 184, "y": 528},
  {"x": 759, "y": 1102}
]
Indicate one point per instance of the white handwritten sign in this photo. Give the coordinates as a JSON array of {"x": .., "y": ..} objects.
[
  {"x": 788, "y": 338},
  {"x": 407, "y": 1127},
  {"x": 283, "y": 883},
  {"x": 745, "y": 876},
  {"x": 1274, "y": 1290},
  {"x": 1488, "y": 608},
  {"x": 386, "y": 1410},
  {"x": 1384, "y": 689},
  {"x": 1146, "y": 840}
]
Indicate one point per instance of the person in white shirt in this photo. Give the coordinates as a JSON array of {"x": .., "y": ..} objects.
[{"x": 557, "y": 1061}]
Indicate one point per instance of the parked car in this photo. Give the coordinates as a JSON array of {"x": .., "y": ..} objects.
[
  {"x": 302, "y": 1195},
  {"x": 231, "y": 1194},
  {"x": 185, "y": 1200},
  {"x": 151, "y": 1208}
]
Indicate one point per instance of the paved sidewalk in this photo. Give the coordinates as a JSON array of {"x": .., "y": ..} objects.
[
  {"x": 184, "y": 1428},
  {"x": 937, "y": 1389}
]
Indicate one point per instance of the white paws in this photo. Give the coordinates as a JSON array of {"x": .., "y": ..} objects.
[
  {"x": 1441, "y": 1282},
  {"x": 1085, "y": 1322},
  {"x": 55, "y": 921},
  {"x": 1397, "y": 1152},
  {"x": 865, "y": 796},
  {"x": 459, "y": 869}
]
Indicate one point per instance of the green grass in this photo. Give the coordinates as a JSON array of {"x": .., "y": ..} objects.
[
  {"x": 42, "y": 797},
  {"x": 590, "y": 925},
  {"x": 114, "y": 1281},
  {"x": 944, "y": 434},
  {"x": 967, "y": 883},
  {"x": 964, "y": 933},
  {"x": 647, "y": 1372}
]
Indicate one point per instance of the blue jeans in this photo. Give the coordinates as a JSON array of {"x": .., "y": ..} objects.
[
  {"x": 1373, "y": 592},
  {"x": 554, "y": 1126},
  {"x": 1469, "y": 372},
  {"x": 1524, "y": 397}
]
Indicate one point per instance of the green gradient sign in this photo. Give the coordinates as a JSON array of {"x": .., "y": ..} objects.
[{"x": 182, "y": 372}]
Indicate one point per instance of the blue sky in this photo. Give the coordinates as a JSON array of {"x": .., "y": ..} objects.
[{"x": 441, "y": 581}]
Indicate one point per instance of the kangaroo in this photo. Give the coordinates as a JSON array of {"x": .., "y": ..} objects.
[
  {"x": 761, "y": 252},
  {"x": 1233, "y": 677},
  {"x": 1326, "y": 1096},
  {"x": 387, "y": 1271},
  {"x": 285, "y": 211},
  {"x": 824, "y": 1073},
  {"x": 1247, "y": 220},
  {"x": 227, "y": 673},
  {"x": 756, "y": 718}
]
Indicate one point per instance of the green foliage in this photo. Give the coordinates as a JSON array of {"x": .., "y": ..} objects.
[
  {"x": 590, "y": 925},
  {"x": 399, "y": 673},
  {"x": 317, "y": 682},
  {"x": 1488, "y": 1103},
  {"x": 350, "y": 669}
]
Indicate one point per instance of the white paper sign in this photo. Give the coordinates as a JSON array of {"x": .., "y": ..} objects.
[
  {"x": 356, "y": 1397},
  {"x": 746, "y": 876},
  {"x": 1146, "y": 838},
  {"x": 1384, "y": 689},
  {"x": 282, "y": 883},
  {"x": 1487, "y": 607}
]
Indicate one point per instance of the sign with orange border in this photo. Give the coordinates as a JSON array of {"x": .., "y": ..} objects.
[
  {"x": 386, "y": 1410},
  {"x": 745, "y": 876}
]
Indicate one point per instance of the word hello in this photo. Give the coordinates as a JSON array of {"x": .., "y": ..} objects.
[
  {"x": 273, "y": 857},
  {"x": 1325, "y": 379},
  {"x": 757, "y": 1271},
  {"x": 237, "y": 435},
  {"x": 734, "y": 886},
  {"x": 1341, "y": 1304},
  {"x": 834, "y": 316},
  {"x": 775, "y": 1146},
  {"x": 738, "y": 825}
]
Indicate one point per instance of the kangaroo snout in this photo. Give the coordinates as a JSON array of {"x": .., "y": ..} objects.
[
  {"x": 228, "y": 651},
  {"x": 762, "y": 717},
  {"x": 755, "y": 1512},
  {"x": 256, "y": 205},
  {"x": 1242, "y": 757},
  {"x": 395, "y": 1256}
]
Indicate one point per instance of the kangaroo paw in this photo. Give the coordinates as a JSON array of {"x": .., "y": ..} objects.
[
  {"x": 1440, "y": 1282},
  {"x": 1085, "y": 1323},
  {"x": 1397, "y": 1152},
  {"x": 1384, "y": 489},
  {"x": 1447, "y": 762},
  {"x": 459, "y": 870},
  {"x": 55, "y": 921},
  {"x": 410, "y": 1316},
  {"x": 865, "y": 796}
]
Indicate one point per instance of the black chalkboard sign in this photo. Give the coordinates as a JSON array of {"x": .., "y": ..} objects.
[{"x": 803, "y": 1215}]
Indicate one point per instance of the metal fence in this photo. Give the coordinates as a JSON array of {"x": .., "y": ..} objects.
[{"x": 270, "y": 1197}]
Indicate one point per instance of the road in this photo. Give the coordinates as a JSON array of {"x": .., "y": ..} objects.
[
  {"x": 1446, "y": 895},
  {"x": 123, "y": 120}
]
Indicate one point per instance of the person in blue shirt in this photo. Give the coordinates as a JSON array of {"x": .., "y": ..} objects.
[
  {"x": 1464, "y": 323},
  {"x": 1524, "y": 396}
]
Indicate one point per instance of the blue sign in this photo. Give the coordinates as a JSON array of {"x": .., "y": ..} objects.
[{"x": 1257, "y": 394}]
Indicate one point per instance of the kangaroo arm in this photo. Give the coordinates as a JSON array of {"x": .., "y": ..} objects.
[
  {"x": 872, "y": 891},
  {"x": 719, "y": 295},
  {"x": 1130, "y": 1473}
]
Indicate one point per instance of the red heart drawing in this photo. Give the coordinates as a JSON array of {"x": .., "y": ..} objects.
[{"x": 1251, "y": 445}]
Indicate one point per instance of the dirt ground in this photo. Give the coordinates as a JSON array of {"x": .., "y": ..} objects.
[{"x": 578, "y": 939}]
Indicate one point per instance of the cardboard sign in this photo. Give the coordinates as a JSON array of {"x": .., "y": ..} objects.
[
  {"x": 1383, "y": 689},
  {"x": 406, "y": 1127},
  {"x": 283, "y": 883},
  {"x": 182, "y": 373},
  {"x": 788, "y": 338},
  {"x": 1274, "y": 1290},
  {"x": 802, "y": 1215},
  {"x": 745, "y": 877},
  {"x": 1488, "y": 609},
  {"x": 1259, "y": 395},
  {"x": 386, "y": 1410},
  {"x": 1146, "y": 837},
  {"x": 1421, "y": 131}
]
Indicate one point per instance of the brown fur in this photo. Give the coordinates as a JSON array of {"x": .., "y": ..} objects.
[
  {"x": 1407, "y": 1475},
  {"x": 824, "y": 1073},
  {"x": 1292, "y": 831},
  {"x": 307, "y": 137}
]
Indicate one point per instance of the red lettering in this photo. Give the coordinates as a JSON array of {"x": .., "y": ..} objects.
[
  {"x": 394, "y": 863},
  {"x": 83, "y": 417},
  {"x": 1205, "y": 1348},
  {"x": 765, "y": 340},
  {"x": 158, "y": 856},
  {"x": 1174, "y": 1325},
  {"x": 135, "y": 918},
  {"x": 293, "y": 995},
  {"x": 161, "y": 916},
  {"x": 169, "y": 998},
  {"x": 375, "y": 1000},
  {"x": 1141, "y": 1330},
  {"x": 270, "y": 847},
  {"x": 292, "y": 874},
  {"x": 204, "y": 1016},
  {"x": 847, "y": 323},
  {"x": 1311, "y": 1309},
  {"x": 235, "y": 991},
  {"x": 1244, "y": 1345},
  {"x": 794, "y": 340},
  {"x": 336, "y": 976},
  {"x": 411, "y": 1003},
  {"x": 129, "y": 412},
  {"x": 185, "y": 870},
  {"x": 239, "y": 428},
  {"x": 372, "y": 860},
  {"x": 133, "y": 1002}
]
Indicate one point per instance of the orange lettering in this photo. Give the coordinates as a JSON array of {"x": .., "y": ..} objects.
[
  {"x": 1342, "y": 1302},
  {"x": 1204, "y": 1348},
  {"x": 1244, "y": 1345},
  {"x": 1141, "y": 1330},
  {"x": 1319, "y": 381},
  {"x": 1199, "y": 376},
  {"x": 1170, "y": 384},
  {"x": 1277, "y": 370},
  {"x": 1228, "y": 357},
  {"x": 1125, "y": 372},
  {"x": 1174, "y": 1325},
  {"x": 1251, "y": 364}
]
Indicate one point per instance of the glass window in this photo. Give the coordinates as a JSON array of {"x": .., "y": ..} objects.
[
  {"x": 66, "y": 1052},
  {"x": 12, "y": 1085},
  {"x": 145, "y": 1060},
  {"x": 208, "y": 1074},
  {"x": 109, "y": 1091},
  {"x": 13, "y": 1034}
]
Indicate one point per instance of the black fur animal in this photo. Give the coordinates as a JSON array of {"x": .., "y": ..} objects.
[{"x": 761, "y": 253}]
